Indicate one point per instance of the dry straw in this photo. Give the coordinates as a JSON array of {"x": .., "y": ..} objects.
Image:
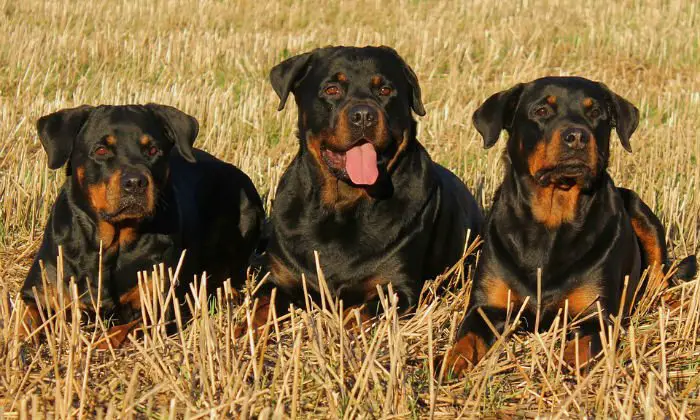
[{"x": 210, "y": 58}]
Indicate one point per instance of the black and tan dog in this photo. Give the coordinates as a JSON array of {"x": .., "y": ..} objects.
[
  {"x": 558, "y": 209},
  {"x": 362, "y": 191},
  {"x": 127, "y": 192}
]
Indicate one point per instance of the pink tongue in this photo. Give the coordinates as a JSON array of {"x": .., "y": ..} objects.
[{"x": 361, "y": 164}]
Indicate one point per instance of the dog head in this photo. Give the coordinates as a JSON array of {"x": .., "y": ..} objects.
[
  {"x": 559, "y": 128},
  {"x": 355, "y": 108},
  {"x": 117, "y": 155}
]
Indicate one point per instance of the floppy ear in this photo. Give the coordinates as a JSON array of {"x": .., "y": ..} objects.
[
  {"x": 625, "y": 117},
  {"x": 416, "y": 101},
  {"x": 180, "y": 128},
  {"x": 58, "y": 131},
  {"x": 412, "y": 79},
  {"x": 286, "y": 75},
  {"x": 496, "y": 114}
]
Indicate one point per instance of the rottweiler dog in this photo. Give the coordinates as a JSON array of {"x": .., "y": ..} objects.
[
  {"x": 558, "y": 210},
  {"x": 362, "y": 191},
  {"x": 138, "y": 200}
]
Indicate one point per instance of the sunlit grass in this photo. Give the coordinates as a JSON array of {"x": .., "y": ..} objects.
[{"x": 211, "y": 58}]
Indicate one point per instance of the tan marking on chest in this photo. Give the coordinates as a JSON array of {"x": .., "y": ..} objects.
[{"x": 553, "y": 206}]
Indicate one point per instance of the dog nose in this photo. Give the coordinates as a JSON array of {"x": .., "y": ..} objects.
[
  {"x": 363, "y": 116},
  {"x": 576, "y": 138},
  {"x": 134, "y": 182}
]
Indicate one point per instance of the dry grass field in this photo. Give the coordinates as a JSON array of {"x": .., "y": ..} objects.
[{"x": 211, "y": 58}]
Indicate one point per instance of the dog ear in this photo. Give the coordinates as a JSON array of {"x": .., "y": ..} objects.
[
  {"x": 180, "y": 128},
  {"x": 496, "y": 114},
  {"x": 416, "y": 101},
  {"x": 625, "y": 116},
  {"x": 412, "y": 79},
  {"x": 286, "y": 75},
  {"x": 57, "y": 132}
]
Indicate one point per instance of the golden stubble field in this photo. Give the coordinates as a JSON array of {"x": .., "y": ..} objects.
[{"x": 211, "y": 58}]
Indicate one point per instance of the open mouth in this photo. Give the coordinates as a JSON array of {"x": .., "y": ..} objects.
[
  {"x": 359, "y": 163},
  {"x": 564, "y": 175}
]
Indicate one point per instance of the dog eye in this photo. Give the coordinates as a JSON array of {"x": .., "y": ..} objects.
[
  {"x": 101, "y": 151},
  {"x": 332, "y": 90},
  {"x": 595, "y": 113},
  {"x": 385, "y": 91},
  {"x": 152, "y": 151},
  {"x": 542, "y": 111}
]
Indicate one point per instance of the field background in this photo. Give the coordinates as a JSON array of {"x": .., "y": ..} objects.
[{"x": 211, "y": 59}]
